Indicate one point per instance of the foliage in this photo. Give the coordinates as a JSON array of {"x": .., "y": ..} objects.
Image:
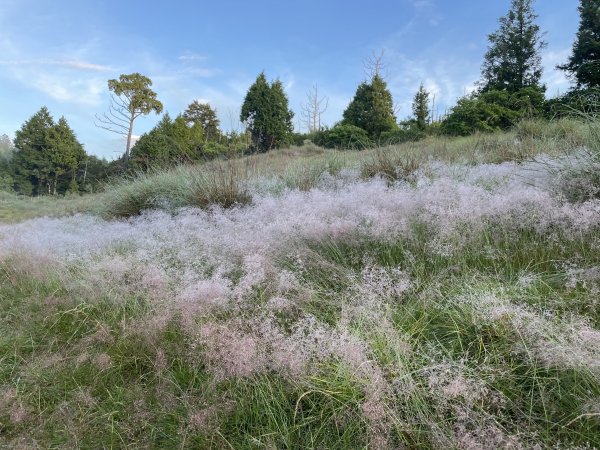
[
  {"x": 133, "y": 97},
  {"x": 584, "y": 63},
  {"x": 420, "y": 107},
  {"x": 205, "y": 116},
  {"x": 343, "y": 136},
  {"x": 513, "y": 60},
  {"x": 7, "y": 151},
  {"x": 574, "y": 103},
  {"x": 266, "y": 113},
  {"x": 169, "y": 142},
  {"x": 65, "y": 153},
  {"x": 371, "y": 108},
  {"x": 408, "y": 131},
  {"x": 492, "y": 111}
]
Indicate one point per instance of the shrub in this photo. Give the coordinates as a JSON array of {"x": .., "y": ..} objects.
[
  {"x": 344, "y": 137},
  {"x": 410, "y": 134},
  {"x": 492, "y": 111}
]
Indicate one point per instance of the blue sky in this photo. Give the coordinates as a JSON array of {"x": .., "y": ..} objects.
[{"x": 60, "y": 53}]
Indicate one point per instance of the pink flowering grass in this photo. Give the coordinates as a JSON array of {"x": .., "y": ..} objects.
[{"x": 454, "y": 309}]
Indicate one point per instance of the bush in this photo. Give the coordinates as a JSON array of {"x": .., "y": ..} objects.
[
  {"x": 492, "y": 111},
  {"x": 574, "y": 103},
  {"x": 409, "y": 134},
  {"x": 343, "y": 137}
]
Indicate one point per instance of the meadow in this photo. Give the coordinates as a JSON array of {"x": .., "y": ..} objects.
[{"x": 436, "y": 294}]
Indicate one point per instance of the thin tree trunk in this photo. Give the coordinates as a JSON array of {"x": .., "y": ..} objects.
[{"x": 126, "y": 162}]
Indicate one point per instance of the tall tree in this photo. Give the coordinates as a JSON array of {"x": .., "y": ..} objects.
[
  {"x": 7, "y": 151},
  {"x": 584, "y": 62},
  {"x": 65, "y": 153},
  {"x": 372, "y": 108},
  {"x": 420, "y": 107},
  {"x": 313, "y": 108},
  {"x": 131, "y": 97},
  {"x": 267, "y": 115},
  {"x": 6, "y": 147},
  {"x": 205, "y": 116},
  {"x": 31, "y": 162},
  {"x": 513, "y": 59}
]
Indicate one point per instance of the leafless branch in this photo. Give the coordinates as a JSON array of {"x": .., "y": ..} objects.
[
  {"x": 374, "y": 65},
  {"x": 312, "y": 110}
]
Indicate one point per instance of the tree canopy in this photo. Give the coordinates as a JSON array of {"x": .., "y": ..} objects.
[
  {"x": 372, "y": 108},
  {"x": 513, "y": 59},
  {"x": 584, "y": 63},
  {"x": 267, "y": 115},
  {"x": 133, "y": 97}
]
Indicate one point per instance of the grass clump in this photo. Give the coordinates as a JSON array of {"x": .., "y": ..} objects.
[
  {"x": 224, "y": 186},
  {"x": 390, "y": 166}
]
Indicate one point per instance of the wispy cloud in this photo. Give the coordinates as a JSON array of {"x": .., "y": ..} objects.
[
  {"x": 188, "y": 56},
  {"x": 67, "y": 63}
]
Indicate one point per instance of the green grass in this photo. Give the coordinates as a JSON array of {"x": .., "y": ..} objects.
[
  {"x": 82, "y": 367},
  {"x": 226, "y": 183}
]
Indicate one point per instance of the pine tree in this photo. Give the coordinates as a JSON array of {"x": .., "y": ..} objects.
[
  {"x": 420, "y": 107},
  {"x": 584, "y": 62},
  {"x": 205, "y": 116},
  {"x": 372, "y": 108},
  {"x": 65, "y": 153},
  {"x": 32, "y": 165},
  {"x": 266, "y": 113},
  {"x": 513, "y": 59}
]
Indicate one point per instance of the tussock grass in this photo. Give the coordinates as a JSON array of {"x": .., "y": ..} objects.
[
  {"x": 334, "y": 310},
  {"x": 223, "y": 186}
]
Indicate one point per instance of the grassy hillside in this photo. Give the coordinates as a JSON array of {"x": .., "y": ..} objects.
[{"x": 441, "y": 294}]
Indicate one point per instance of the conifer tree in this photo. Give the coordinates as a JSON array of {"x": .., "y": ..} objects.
[
  {"x": 372, "y": 108},
  {"x": 205, "y": 116},
  {"x": 584, "y": 63},
  {"x": 420, "y": 107},
  {"x": 513, "y": 59},
  {"x": 32, "y": 165},
  {"x": 266, "y": 113},
  {"x": 65, "y": 153},
  {"x": 45, "y": 151}
]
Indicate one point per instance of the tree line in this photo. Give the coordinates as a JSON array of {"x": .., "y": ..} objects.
[{"x": 46, "y": 157}]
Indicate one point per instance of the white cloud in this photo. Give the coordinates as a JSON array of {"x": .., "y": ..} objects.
[
  {"x": 556, "y": 80},
  {"x": 67, "y": 63},
  {"x": 189, "y": 56}
]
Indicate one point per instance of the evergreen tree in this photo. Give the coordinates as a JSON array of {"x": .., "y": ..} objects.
[
  {"x": 372, "y": 108},
  {"x": 169, "y": 142},
  {"x": 203, "y": 115},
  {"x": 420, "y": 107},
  {"x": 584, "y": 62},
  {"x": 65, "y": 153},
  {"x": 48, "y": 155},
  {"x": 32, "y": 165},
  {"x": 266, "y": 113},
  {"x": 6, "y": 155},
  {"x": 513, "y": 59}
]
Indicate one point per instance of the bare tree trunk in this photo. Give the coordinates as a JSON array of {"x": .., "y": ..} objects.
[
  {"x": 128, "y": 147},
  {"x": 85, "y": 171}
]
